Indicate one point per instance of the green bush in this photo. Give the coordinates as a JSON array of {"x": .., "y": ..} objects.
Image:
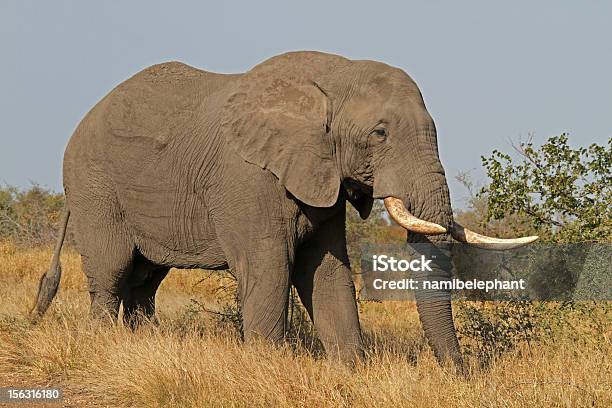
[
  {"x": 29, "y": 216},
  {"x": 487, "y": 330},
  {"x": 564, "y": 195}
]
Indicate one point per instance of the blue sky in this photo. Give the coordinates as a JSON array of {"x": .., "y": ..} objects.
[{"x": 490, "y": 72}]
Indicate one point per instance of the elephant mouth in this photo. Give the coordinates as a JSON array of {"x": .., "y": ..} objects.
[
  {"x": 355, "y": 189},
  {"x": 400, "y": 214}
]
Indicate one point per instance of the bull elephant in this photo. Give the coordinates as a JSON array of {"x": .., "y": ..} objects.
[{"x": 179, "y": 167}]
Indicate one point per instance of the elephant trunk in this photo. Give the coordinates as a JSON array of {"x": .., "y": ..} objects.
[
  {"x": 434, "y": 307},
  {"x": 430, "y": 200},
  {"x": 423, "y": 208},
  {"x": 428, "y": 218}
]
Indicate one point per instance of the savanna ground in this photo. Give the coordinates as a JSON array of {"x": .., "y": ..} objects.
[
  {"x": 194, "y": 358},
  {"x": 519, "y": 354}
]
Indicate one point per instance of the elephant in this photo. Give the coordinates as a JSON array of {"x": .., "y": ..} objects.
[{"x": 179, "y": 167}]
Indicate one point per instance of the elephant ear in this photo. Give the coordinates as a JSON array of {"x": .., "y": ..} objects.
[{"x": 281, "y": 124}]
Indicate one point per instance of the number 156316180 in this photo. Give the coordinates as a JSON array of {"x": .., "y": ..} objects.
[{"x": 13, "y": 394}]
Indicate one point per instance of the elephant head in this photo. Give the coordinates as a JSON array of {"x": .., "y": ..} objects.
[{"x": 325, "y": 125}]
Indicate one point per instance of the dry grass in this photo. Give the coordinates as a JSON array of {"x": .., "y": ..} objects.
[{"x": 190, "y": 361}]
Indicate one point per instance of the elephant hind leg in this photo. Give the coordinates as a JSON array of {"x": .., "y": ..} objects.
[
  {"x": 106, "y": 268},
  {"x": 138, "y": 293},
  {"x": 107, "y": 253}
]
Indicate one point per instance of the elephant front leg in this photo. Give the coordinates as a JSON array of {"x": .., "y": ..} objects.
[
  {"x": 254, "y": 224},
  {"x": 263, "y": 290},
  {"x": 325, "y": 285},
  {"x": 264, "y": 306}
]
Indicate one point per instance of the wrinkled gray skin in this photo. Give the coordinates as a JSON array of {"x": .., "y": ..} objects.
[{"x": 179, "y": 167}]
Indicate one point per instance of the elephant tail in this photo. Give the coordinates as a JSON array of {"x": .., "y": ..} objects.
[{"x": 49, "y": 281}]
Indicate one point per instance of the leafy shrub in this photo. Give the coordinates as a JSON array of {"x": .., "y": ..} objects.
[
  {"x": 30, "y": 217},
  {"x": 487, "y": 330},
  {"x": 564, "y": 195}
]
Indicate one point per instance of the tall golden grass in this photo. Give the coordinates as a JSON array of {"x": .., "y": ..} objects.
[{"x": 190, "y": 360}]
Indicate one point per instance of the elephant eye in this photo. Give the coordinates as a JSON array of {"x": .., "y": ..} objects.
[{"x": 380, "y": 132}]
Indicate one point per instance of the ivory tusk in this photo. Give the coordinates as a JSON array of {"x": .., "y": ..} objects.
[
  {"x": 463, "y": 234},
  {"x": 402, "y": 216}
]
